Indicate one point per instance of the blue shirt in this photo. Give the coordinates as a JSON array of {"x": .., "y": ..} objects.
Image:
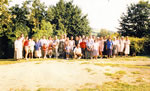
[
  {"x": 109, "y": 44},
  {"x": 37, "y": 45}
]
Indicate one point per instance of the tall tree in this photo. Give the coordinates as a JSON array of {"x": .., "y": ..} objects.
[
  {"x": 69, "y": 19},
  {"x": 136, "y": 22},
  {"x": 38, "y": 13}
]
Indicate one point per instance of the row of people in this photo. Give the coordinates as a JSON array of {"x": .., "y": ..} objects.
[{"x": 80, "y": 47}]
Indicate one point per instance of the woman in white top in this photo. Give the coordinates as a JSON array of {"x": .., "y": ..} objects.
[
  {"x": 127, "y": 47},
  {"x": 31, "y": 47},
  {"x": 18, "y": 49},
  {"x": 95, "y": 49},
  {"x": 115, "y": 44},
  {"x": 122, "y": 43}
]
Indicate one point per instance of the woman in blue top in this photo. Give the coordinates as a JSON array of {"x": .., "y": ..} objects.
[
  {"x": 37, "y": 48},
  {"x": 109, "y": 47}
]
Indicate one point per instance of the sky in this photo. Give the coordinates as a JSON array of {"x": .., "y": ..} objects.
[{"x": 101, "y": 13}]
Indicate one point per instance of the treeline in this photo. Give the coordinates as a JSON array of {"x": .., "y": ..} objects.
[{"x": 35, "y": 19}]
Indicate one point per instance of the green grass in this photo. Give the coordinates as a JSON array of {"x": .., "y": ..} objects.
[
  {"x": 118, "y": 86},
  {"x": 122, "y": 65},
  {"x": 136, "y": 72},
  {"x": 88, "y": 69},
  {"x": 117, "y": 75},
  {"x": 137, "y": 58}
]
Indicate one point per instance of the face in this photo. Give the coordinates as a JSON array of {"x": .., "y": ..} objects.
[
  {"x": 71, "y": 37},
  {"x": 26, "y": 38},
  {"x": 37, "y": 40}
]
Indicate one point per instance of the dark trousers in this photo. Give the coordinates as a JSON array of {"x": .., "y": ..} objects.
[{"x": 83, "y": 52}]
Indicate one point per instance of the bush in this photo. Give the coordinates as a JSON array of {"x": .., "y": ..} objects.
[{"x": 137, "y": 46}]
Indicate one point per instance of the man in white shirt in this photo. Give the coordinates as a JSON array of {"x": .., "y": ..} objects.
[{"x": 77, "y": 52}]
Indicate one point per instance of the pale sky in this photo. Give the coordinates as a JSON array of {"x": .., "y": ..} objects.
[{"x": 101, "y": 13}]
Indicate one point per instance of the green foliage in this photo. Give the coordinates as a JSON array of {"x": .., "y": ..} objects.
[
  {"x": 137, "y": 45},
  {"x": 136, "y": 21},
  {"x": 104, "y": 32},
  {"x": 118, "y": 86},
  {"x": 5, "y": 18},
  {"x": 68, "y": 19},
  {"x": 46, "y": 30}
]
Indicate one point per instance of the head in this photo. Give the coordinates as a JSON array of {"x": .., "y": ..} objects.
[
  {"x": 44, "y": 37},
  {"x": 67, "y": 39},
  {"x": 127, "y": 38},
  {"x": 78, "y": 45},
  {"x": 26, "y": 38},
  {"x": 77, "y": 38},
  {"x": 22, "y": 35},
  {"x": 32, "y": 38},
  {"x": 83, "y": 36},
  {"x": 61, "y": 37},
  {"x": 55, "y": 37},
  {"x": 71, "y": 37},
  {"x": 114, "y": 38},
  {"x": 50, "y": 38},
  {"x": 122, "y": 38},
  {"x": 101, "y": 38},
  {"x": 37, "y": 40}
]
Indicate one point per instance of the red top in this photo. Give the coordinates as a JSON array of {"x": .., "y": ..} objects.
[
  {"x": 44, "y": 47},
  {"x": 26, "y": 43},
  {"x": 83, "y": 44}
]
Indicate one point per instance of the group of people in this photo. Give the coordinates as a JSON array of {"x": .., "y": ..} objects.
[{"x": 86, "y": 47}]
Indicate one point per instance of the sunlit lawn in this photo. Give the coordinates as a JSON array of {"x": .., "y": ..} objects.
[{"x": 137, "y": 58}]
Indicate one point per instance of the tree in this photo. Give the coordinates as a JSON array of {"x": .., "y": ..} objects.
[
  {"x": 5, "y": 18},
  {"x": 69, "y": 19},
  {"x": 104, "y": 32},
  {"x": 38, "y": 13},
  {"x": 46, "y": 30},
  {"x": 136, "y": 22}
]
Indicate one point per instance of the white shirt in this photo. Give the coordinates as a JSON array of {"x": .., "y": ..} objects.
[
  {"x": 18, "y": 44},
  {"x": 43, "y": 41},
  {"x": 77, "y": 50},
  {"x": 31, "y": 44},
  {"x": 72, "y": 43}
]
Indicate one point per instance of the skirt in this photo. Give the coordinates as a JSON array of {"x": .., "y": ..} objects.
[{"x": 38, "y": 53}]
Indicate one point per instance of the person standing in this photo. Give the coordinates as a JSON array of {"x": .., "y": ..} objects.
[
  {"x": 127, "y": 47},
  {"x": 109, "y": 47},
  {"x": 55, "y": 46},
  {"x": 67, "y": 50},
  {"x": 76, "y": 40},
  {"x": 95, "y": 49},
  {"x": 88, "y": 49},
  {"x": 50, "y": 47},
  {"x": 31, "y": 47},
  {"x": 18, "y": 49},
  {"x": 83, "y": 47},
  {"x": 37, "y": 48},
  {"x": 43, "y": 41},
  {"x": 101, "y": 46},
  {"x": 122, "y": 44},
  {"x": 115, "y": 44},
  {"x": 44, "y": 48},
  {"x": 26, "y": 47},
  {"x": 72, "y": 45}
]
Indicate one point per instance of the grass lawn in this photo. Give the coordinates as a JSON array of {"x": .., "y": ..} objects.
[
  {"x": 137, "y": 58},
  {"x": 116, "y": 84}
]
